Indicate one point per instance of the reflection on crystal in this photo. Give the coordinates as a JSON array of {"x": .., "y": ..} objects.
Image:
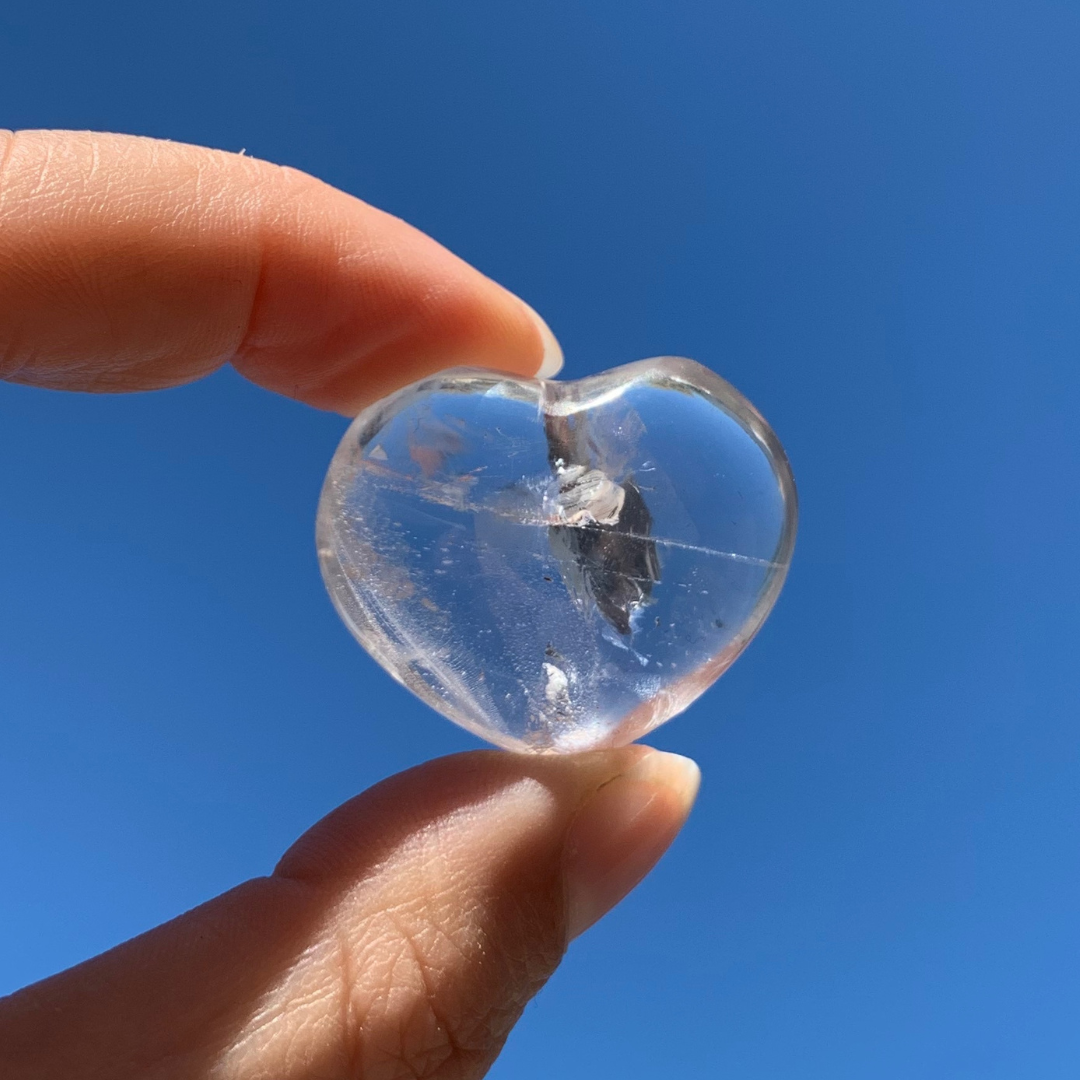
[{"x": 558, "y": 566}]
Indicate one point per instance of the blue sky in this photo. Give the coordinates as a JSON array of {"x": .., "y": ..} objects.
[{"x": 866, "y": 217}]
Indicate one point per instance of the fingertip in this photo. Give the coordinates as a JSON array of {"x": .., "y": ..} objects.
[
  {"x": 192, "y": 258},
  {"x": 551, "y": 361},
  {"x": 478, "y": 869},
  {"x": 622, "y": 831}
]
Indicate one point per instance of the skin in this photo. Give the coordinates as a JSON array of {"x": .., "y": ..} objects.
[{"x": 403, "y": 934}]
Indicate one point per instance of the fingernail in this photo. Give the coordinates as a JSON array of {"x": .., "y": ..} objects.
[
  {"x": 552, "y": 362},
  {"x": 620, "y": 833}
]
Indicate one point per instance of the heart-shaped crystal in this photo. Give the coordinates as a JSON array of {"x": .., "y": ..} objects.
[{"x": 558, "y": 566}]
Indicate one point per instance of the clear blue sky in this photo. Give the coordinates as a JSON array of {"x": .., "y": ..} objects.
[{"x": 866, "y": 217}]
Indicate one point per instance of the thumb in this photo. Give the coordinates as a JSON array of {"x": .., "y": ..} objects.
[{"x": 401, "y": 937}]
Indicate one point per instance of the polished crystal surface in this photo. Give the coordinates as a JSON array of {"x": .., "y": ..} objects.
[{"x": 558, "y": 566}]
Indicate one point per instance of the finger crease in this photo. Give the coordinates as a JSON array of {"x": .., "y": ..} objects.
[{"x": 254, "y": 303}]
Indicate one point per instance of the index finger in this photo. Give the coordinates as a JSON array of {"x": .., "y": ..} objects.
[{"x": 129, "y": 263}]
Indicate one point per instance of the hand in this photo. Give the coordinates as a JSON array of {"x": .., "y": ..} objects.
[{"x": 402, "y": 936}]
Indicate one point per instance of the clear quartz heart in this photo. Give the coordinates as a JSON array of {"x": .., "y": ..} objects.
[{"x": 558, "y": 566}]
